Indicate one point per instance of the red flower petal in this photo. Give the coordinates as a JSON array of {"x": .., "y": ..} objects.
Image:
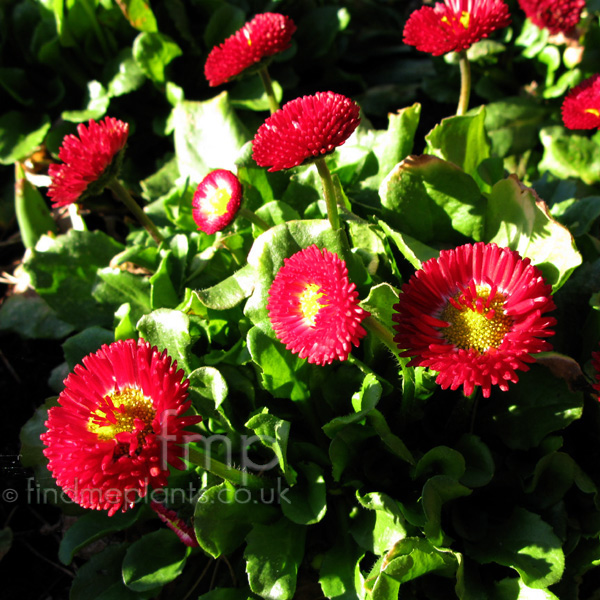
[
  {"x": 184, "y": 532},
  {"x": 305, "y": 128},
  {"x": 454, "y": 25},
  {"x": 117, "y": 426},
  {"x": 216, "y": 201},
  {"x": 475, "y": 315},
  {"x": 555, "y": 15},
  {"x": 86, "y": 159},
  {"x": 581, "y": 106},
  {"x": 314, "y": 308},
  {"x": 266, "y": 34}
]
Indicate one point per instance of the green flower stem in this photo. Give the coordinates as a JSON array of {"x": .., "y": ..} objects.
[
  {"x": 254, "y": 218},
  {"x": 123, "y": 195},
  {"x": 465, "y": 83},
  {"x": 266, "y": 79},
  {"x": 383, "y": 333},
  {"x": 231, "y": 474},
  {"x": 329, "y": 193}
]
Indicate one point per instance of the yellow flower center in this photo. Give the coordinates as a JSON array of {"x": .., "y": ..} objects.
[
  {"x": 216, "y": 202},
  {"x": 130, "y": 404},
  {"x": 309, "y": 303},
  {"x": 593, "y": 111},
  {"x": 464, "y": 20},
  {"x": 480, "y": 324}
]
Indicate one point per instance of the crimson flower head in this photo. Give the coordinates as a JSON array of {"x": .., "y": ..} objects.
[
  {"x": 558, "y": 16},
  {"x": 581, "y": 106},
  {"x": 454, "y": 25},
  {"x": 118, "y": 424},
  {"x": 262, "y": 37},
  {"x": 305, "y": 128},
  {"x": 90, "y": 161},
  {"x": 174, "y": 522},
  {"x": 314, "y": 308},
  {"x": 475, "y": 314},
  {"x": 216, "y": 201}
]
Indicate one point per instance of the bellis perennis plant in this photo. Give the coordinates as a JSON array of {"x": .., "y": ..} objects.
[{"x": 354, "y": 351}]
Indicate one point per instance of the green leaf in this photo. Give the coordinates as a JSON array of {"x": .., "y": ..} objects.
[
  {"x": 432, "y": 200},
  {"x": 63, "y": 272},
  {"x": 517, "y": 219},
  {"x": 153, "y": 51},
  {"x": 224, "y": 515},
  {"x": 154, "y": 560},
  {"x": 31, "y": 317},
  {"x": 392, "y": 145},
  {"x": 380, "y": 303},
  {"x": 128, "y": 76},
  {"x": 273, "y": 555},
  {"x": 124, "y": 323},
  {"x": 274, "y": 434},
  {"x": 479, "y": 461},
  {"x": 578, "y": 214},
  {"x": 228, "y": 594},
  {"x": 409, "y": 559},
  {"x": 569, "y": 155},
  {"x": 393, "y": 442},
  {"x": 231, "y": 291},
  {"x": 412, "y": 249},
  {"x": 197, "y": 126},
  {"x": 513, "y": 124},
  {"x": 114, "y": 287},
  {"x": 441, "y": 460},
  {"x": 363, "y": 401},
  {"x": 381, "y": 526},
  {"x": 524, "y": 542},
  {"x": 250, "y": 93},
  {"x": 209, "y": 383},
  {"x": 139, "y": 14},
  {"x": 537, "y": 406},
  {"x": 516, "y": 589},
  {"x": 88, "y": 586},
  {"x": 6, "y": 539},
  {"x": 169, "y": 330},
  {"x": 90, "y": 527},
  {"x": 306, "y": 502},
  {"x": 553, "y": 476},
  {"x": 283, "y": 374},
  {"x": 462, "y": 140},
  {"x": 33, "y": 214},
  {"x": 438, "y": 490},
  {"x": 162, "y": 291},
  {"x": 276, "y": 212},
  {"x": 338, "y": 571},
  {"x": 21, "y": 133},
  {"x": 97, "y": 102},
  {"x": 85, "y": 342}
]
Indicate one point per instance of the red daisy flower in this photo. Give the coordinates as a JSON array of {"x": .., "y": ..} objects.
[
  {"x": 89, "y": 161},
  {"x": 265, "y": 35},
  {"x": 314, "y": 308},
  {"x": 454, "y": 25},
  {"x": 475, "y": 315},
  {"x": 174, "y": 522},
  {"x": 305, "y": 128},
  {"x": 216, "y": 201},
  {"x": 118, "y": 423},
  {"x": 581, "y": 106},
  {"x": 555, "y": 15}
]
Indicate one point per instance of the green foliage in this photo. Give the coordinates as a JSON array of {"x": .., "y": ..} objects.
[{"x": 362, "y": 479}]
